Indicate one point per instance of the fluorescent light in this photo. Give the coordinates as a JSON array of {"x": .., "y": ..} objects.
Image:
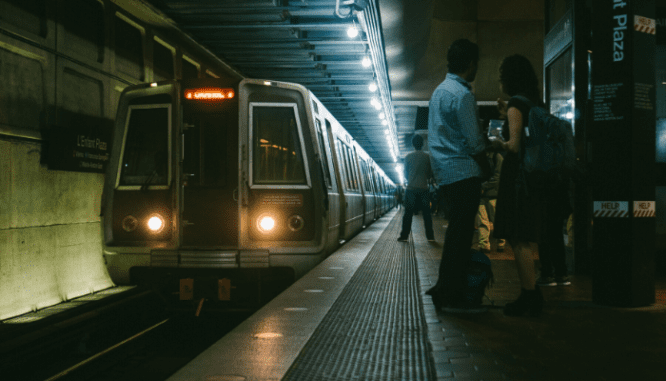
[
  {"x": 366, "y": 62},
  {"x": 352, "y": 32}
]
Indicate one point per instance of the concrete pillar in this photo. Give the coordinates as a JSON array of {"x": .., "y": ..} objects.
[{"x": 622, "y": 152}]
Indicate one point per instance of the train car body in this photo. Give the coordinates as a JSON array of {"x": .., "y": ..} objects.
[{"x": 222, "y": 185}]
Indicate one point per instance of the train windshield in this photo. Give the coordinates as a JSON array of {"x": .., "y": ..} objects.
[
  {"x": 145, "y": 159},
  {"x": 277, "y": 154}
]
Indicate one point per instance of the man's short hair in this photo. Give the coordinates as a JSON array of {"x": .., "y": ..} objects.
[
  {"x": 461, "y": 53},
  {"x": 417, "y": 141}
]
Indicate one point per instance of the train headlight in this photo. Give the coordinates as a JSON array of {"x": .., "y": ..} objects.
[
  {"x": 295, "y": 223},
  {"x": 156, "y": 223},
  {"x": 130, "y": 223},
  {"x": 266, "y": 223}
]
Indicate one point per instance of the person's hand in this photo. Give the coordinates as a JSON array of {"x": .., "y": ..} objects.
[
  {"x": 496, "y": 145},
  {"x": 501, "y": 107}
]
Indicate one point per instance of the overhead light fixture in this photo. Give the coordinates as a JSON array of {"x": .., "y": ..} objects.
[
  {"x": 372, "y": 87},
  {"x": 382, "y": 115},
  {"x": 385, "y": 122},
  {"x": 352, "y": 32},
  {"x": 366, "y": 62}
]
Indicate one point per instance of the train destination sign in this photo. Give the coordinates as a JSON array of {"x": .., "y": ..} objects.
[
  {"x": 78, "y": 149},
  {"x": 209, "y": 94}
]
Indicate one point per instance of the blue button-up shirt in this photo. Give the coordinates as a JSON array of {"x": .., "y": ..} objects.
[{"x": 454, "y": 131}]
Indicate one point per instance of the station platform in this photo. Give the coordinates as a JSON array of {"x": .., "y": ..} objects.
[{"x": 363, "y": 315}]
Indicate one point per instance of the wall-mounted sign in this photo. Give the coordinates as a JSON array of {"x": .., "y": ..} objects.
[
  {"x": 78, "y": 149},
  {"x": 611, "y": 209}
]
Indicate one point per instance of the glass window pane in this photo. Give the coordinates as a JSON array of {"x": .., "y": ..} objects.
[
  {"x": 324, "y": 155},
  {"x": 277, "y": 150},
  {"x": 129, "y": 49},
  {"x": 561, "y": 87},
  {"x": 145, "y": 161},
  {"x": 162, "y": 62}
]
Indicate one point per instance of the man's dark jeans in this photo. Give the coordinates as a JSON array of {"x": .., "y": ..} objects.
[
  {"x": 417, "y": 200},
  {"x": 462, "y": 200}
]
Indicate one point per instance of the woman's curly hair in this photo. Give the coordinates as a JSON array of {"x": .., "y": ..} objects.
[{"x": 518, "y": 77}]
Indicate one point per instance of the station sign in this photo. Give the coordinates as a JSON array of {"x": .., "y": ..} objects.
[{"x": 78, "y": 149}]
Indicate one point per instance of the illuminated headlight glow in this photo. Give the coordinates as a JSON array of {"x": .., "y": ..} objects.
[
  {"x": 266, "y": 223},
  {"x": 156, "y": 223}
]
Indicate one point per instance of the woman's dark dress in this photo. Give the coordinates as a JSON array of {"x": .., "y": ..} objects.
[{"x": 520, "y": 217}]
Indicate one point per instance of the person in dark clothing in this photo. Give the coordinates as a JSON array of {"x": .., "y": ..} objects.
[
  {"x": 527, "y": 217},
  {"x": 417, "y": 196}
]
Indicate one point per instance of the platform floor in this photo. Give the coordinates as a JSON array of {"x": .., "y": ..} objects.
[{"x": 574, "y": 339}]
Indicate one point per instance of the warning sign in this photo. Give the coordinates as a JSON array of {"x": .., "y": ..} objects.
[
  {"x": 645, "y": 25},
  {"x": 611, "y": 209},
  {"x": 644, "y": 208}
]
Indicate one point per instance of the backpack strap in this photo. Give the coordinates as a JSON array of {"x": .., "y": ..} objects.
[{"x": 525, "y": 100}]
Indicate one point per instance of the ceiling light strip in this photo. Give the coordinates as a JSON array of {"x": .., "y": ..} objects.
[{"x": 370, "y": 21}]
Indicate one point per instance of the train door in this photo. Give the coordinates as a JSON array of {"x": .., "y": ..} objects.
[{"x": 210, "y": 176}]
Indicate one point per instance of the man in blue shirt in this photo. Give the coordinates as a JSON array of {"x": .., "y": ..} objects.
[{"x": 457, "y": 144}]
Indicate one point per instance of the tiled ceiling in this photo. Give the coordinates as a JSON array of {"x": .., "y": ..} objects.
[{"x": 306, "y": 41}]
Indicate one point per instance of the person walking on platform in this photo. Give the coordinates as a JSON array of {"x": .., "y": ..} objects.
[
  {"x": 457, "y": 148},
  {"x": 485, "y": 218},
  {"x": 417, "y": 197},
  {"x": 526, "y": 216}
]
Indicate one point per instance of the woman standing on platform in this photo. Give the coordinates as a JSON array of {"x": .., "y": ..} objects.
[{"x": 524, "y": 218}]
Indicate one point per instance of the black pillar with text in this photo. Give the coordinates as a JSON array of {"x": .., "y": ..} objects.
[{"x": 622, "y": 149}]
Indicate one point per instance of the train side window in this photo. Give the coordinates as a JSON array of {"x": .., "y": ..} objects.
[
  {"x": 324, "y": 155},
  {"x": 343, "y": 163},
  {"x": 352, "y": 164},
  {"x": 350, "y": 169},
  {"x": 163, "y": 67},
  {"x": 366, "y": 176},
  {"x": 190, "y": 68},
  {"x": 84, "y": 28},
  {"x": 29, "y": 15},
  {"x": 145, "y": 158},
  {"x": 277, "y": 145},
  {"x": 128, "y": 47}
]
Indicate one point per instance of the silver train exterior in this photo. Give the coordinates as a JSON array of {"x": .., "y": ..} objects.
[{"x": 232, "y": 187}]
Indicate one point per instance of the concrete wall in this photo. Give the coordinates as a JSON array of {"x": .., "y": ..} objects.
[{"x": 50, "y": 245}]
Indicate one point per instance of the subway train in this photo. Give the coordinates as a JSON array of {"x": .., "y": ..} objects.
[{"x": 230, "y": 190}]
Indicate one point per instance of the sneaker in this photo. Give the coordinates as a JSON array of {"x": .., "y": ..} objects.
[
  {"x": 402, "y": 239},
  {"x": 546, "y": 281},
  {"x": 431, "y": 239},
  {"x": 563, "y": 280},
  {"x": 485, "y": 249}
]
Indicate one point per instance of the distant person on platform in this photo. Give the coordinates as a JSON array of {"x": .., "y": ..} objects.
[
  {"x": 457, "y": 147},
  {"x": 417, "y": 196}
]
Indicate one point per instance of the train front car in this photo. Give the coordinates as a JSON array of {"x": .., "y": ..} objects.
[{"x": 208, "y": 194}]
